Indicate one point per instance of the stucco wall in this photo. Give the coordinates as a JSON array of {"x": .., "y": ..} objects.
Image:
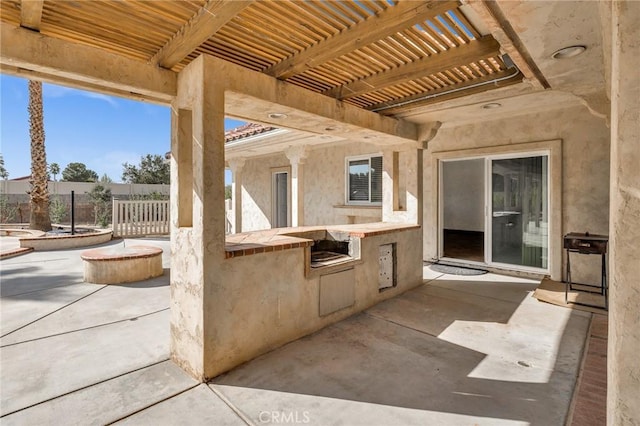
[
  {"x": 324, "y": 187},
  {"x": 256, "y": 191},
  {"x": 263, "y": 308},
  {"x": 325, "y": 184},
  {"x": 585, "y": 170}
]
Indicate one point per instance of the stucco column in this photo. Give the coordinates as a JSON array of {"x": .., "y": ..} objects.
[
  {"x": 623, "y": 393},
  {"x": 402, "y": 185},
  {"x": 236, "y": 166},
  {"x": 197, "y": 216},
  {"x": 296, "y": 156}
]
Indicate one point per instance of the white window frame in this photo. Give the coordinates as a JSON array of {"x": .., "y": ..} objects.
[
  {"x": 552, "y": 148},
  {"x": 274, "y": 208},
  {"x": 346, "y": 179}
]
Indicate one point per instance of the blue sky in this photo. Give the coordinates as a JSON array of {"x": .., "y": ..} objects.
[{"x": 98, "y": 130}]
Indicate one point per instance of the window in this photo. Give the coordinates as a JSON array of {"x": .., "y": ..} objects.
[{"x": 364, "y": 180}]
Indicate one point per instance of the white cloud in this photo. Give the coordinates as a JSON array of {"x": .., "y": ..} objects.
[
  {"x": 53, "y": 91},
  {"x": 108, "y": 99}
]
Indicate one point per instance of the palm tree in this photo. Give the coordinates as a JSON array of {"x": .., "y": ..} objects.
[
  {"x": 39, "y": 218},
  {"x": 54, "y": 169}
]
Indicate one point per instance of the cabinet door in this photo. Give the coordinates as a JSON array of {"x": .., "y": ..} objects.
[{"x": 386, "y": 260}]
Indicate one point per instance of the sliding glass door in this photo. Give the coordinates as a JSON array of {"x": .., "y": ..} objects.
[
  {"x": 495, "y": 210},
  {"x": 519, "y": 211}
]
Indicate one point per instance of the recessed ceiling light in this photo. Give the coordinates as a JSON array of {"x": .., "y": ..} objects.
[
  {"x": 568, "y": 52},
  {"x": 277, "y": 115},
  {"x": 491, "y": 105}
]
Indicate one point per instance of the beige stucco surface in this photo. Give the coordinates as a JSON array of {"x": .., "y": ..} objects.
[
  {"x": 623, "y": 395},
  {"x": 408, "y": 187},
  {"x": 226, "y": 311},
  {"x": 257, "y": 192},
  {"x": 198, "y": 218},
  {"x": 65, "y": 242},
  {"x": 256, "y": 307},
  {"x": 324, "y": 187},
  {"x": 585, "y": 170},
  {"x": 126, "y": 270}
]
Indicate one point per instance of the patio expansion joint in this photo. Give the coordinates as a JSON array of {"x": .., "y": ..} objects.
[
  {"x": 399, "y": 324},
  {"x": 231, "y": 405},
  {"x": 429, "y": 280},
  {"x": 78, "y": 329},
  {"x": 87, "y": 386},
  {"x": 51, "y": 313},
  {"x": 155, "y": 403}
]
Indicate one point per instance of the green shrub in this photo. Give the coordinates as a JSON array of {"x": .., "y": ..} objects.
[{"x": 57, "y": 209}]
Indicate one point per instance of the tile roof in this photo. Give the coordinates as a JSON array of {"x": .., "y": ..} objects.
[{"x": 244, "y": 131}]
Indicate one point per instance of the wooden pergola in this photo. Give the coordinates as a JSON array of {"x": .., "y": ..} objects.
[{"x": 386, "y": 56}]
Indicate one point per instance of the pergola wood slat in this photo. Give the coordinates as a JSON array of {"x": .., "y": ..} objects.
[
  {"x": 440, "y": 43},
  {"x": 31, "y": 14},
  {"x": 213, "y": 16},
  {"x": 461, "y": 34},
  {"x": 444, "y": 34},
  {"x": 337, "y": 20},
  {"x": 463, "y": 19},
  {"x": 485, "y": 47},
  {"x": 390, "y": 21},
  {"x": 353, "y": 16},
  {"x": 364, "y": 52},
  {"x": 420, "y": 39}
]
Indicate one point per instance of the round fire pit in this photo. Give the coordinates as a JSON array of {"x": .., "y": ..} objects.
[{"x": 117, "y": 265}]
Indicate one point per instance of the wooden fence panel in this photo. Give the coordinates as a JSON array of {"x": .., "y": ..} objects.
[{"x": 139, "y": 218}]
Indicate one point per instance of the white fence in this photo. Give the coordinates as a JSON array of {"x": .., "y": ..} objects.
[{"x": 138, "y": 218}]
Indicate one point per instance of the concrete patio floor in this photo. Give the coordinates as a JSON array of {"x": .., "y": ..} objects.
[{"x": 455, "y": 351}]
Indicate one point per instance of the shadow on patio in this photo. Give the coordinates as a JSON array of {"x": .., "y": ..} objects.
[
  {"x": 450, "y": 352},
  {"x": 457, "y": 350}
]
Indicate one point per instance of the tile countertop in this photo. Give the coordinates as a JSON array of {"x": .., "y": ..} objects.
[{"x": 248, "y": 243}]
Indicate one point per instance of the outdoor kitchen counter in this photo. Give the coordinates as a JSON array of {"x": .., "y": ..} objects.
[{"x": 277, "y": 239}]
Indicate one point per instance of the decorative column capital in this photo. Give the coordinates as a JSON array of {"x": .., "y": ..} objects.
[
  {"x": 296, "y": 154},
  {"x": 236, "y": 164}
]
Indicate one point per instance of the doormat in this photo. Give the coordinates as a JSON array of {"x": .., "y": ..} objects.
[
  {"x": 456, "y": 270},
  {"x": 553, "y": 292}
]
